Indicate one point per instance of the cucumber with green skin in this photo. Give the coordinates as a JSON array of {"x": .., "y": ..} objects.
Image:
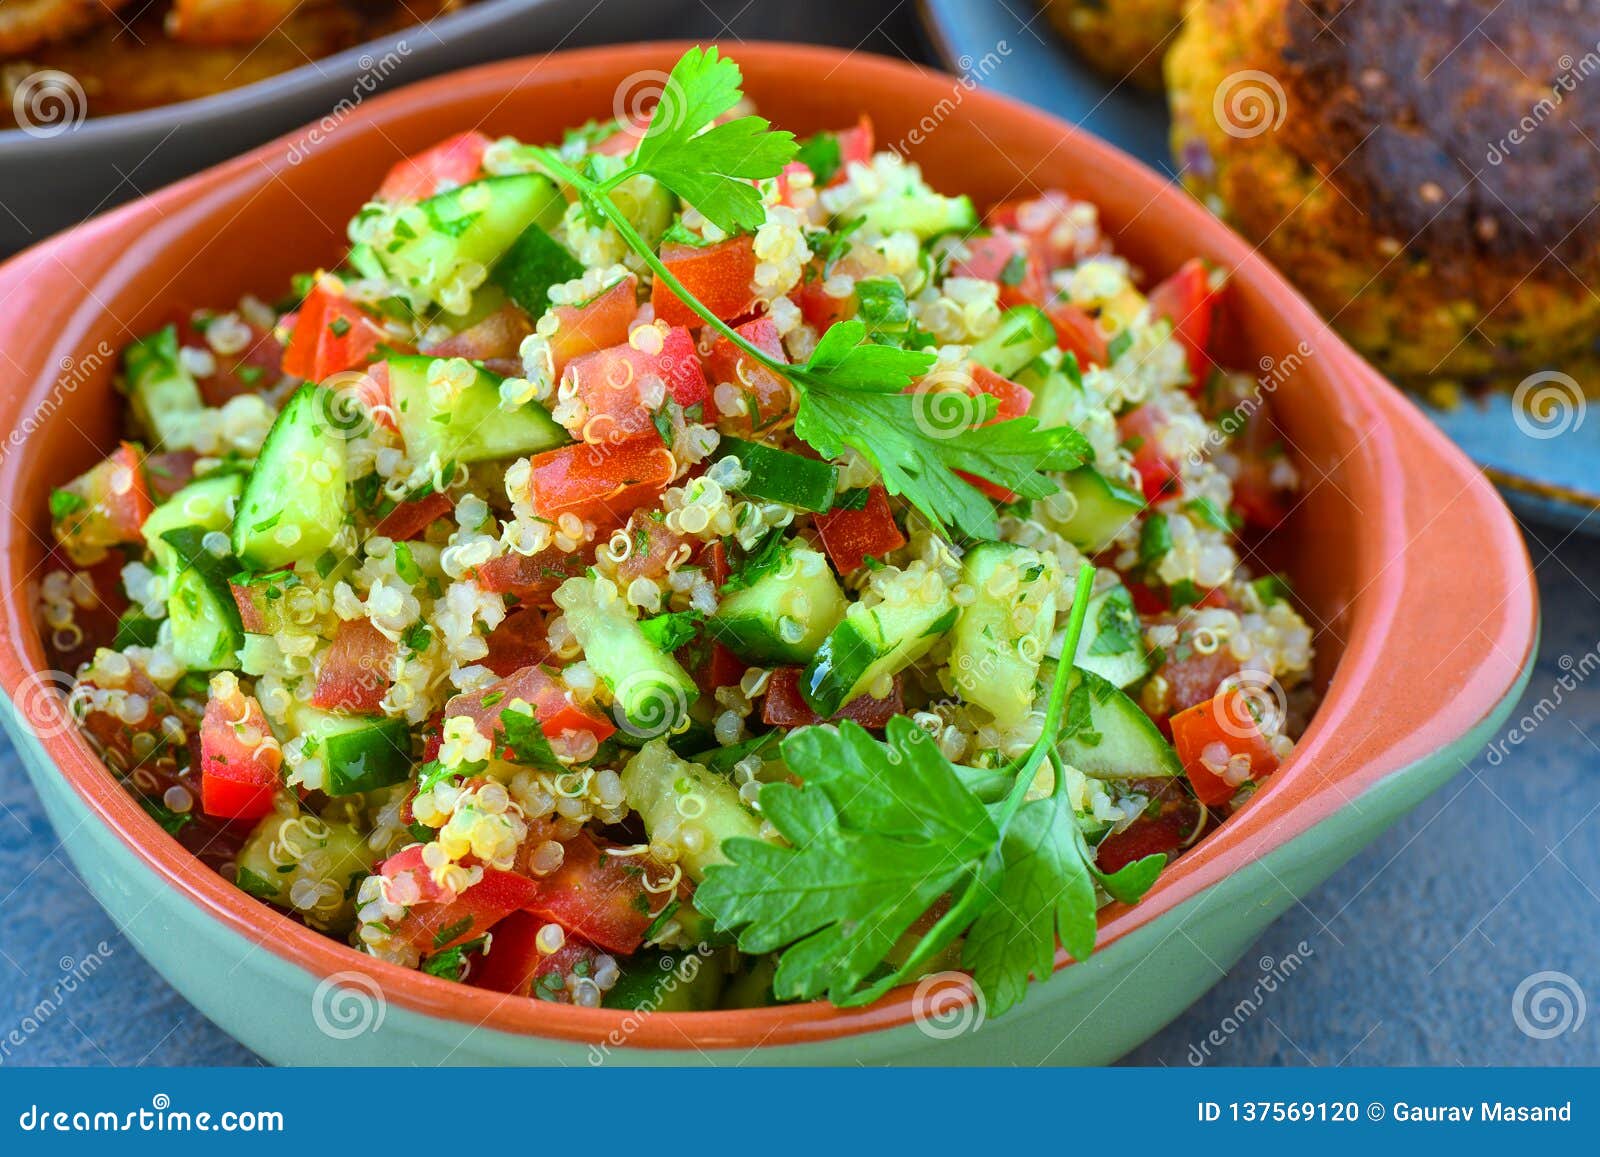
[
  {"x": 871, "y": 642},
  {"x": 779, "y": 476},
  {"x": 164, "y": 395},
  {"x": 359, "y": 753},
  {"x": 784, "y": 616},
  {"x": 994, "y": 656},
  {"x": 1056, "y": 383},
  {"x": 436, "y": 240},
  {"x": 1023, "y": 334},
  {"x": 205, "y": 504},
  {"x": 206, "y": 628},
  {"x": 469, "y": 427},
  {"x": 1104, "y": 509},
  {"x": 1111, "y": 737},
  {"x": 294, "y": 503},
  {"x": 535, "y": 262},
  {"x": 667, "y": 982},
  {"x": 652, "y": 690},
  {"x": 1112, "y": 645}
]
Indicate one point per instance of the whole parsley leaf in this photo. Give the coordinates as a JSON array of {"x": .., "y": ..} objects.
[{"x": 710, "y": 168}]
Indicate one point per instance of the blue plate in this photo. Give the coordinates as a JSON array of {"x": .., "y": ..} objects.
[{"x": 1547, "y": 465}]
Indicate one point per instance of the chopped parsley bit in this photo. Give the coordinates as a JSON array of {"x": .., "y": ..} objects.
[{"x": 65, "y": 502}]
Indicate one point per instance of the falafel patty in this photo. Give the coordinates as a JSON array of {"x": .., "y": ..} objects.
[
  {"x": 26, "y": 24},
  {"x": 1426, "y": 172},
  {"x": 1124, "y": 39}
]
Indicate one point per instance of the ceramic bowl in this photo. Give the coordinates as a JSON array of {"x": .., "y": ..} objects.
[
  {"x": 1404, "y": 558},
  {"x": 75, "y": 170}
]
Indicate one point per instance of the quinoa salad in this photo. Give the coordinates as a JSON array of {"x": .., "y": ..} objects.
[{"x": 687, "y": 566}]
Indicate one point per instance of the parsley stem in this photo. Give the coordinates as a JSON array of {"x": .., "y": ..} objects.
[{"x": 599, "y": 194}]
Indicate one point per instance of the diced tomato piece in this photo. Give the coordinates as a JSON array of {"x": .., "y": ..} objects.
[
  {"x": 1014, "y": 400},
  {"x": 784, "y": 706},
  {"x": 1188, "y": 300},
  {"x": 1162, "y": 834},
  {"x": 765, "y": 398},
  {"x": 519, "y": 641},
  {"x": 239, "y": 758},
  {"x": 355, "y": 671},
  {"x": 105, "y": 506},
  {"x": 786, "y": 181},
  {"x": 1142, "y": 429},
  {"x": 411, "y": 518},
  {"x": 331, "y": 334},
  {"x": 1060, "y": 230},
  {"x": 818, "y": 307},
  {"x": 852, "y": 536},
  {"x": 1079, "y": 334},
  {"x": 168, "y": 472},
  {"x": 601, "y": 896},
  {"x": 623, "y": 389},
  {"x": 371, "y": 389},
  {"x": 714, "y": 558},
  {"x": 1193, "y": 677},
  {"x": 1211, "y": 736},
  {"x": 498, "y": 336},
  {"x": 599, "y": 481},
  {"x": 1005, "y": 258},
  {"x": 551, "y": 703},
  {"x": 95, "y": 619},
  {"x": 533, "y": 578},
  {"x": 654, "y": 549},
  {"x": 438, "y": 920},
  {"x": 249, "y": 371},
  {"x": 625, "y": 139},
  {"x": 718, "y": 275},
  {"x": 720, "y": 668},
  {"x": 514, "y": 964},
  {"x": 454, "y": 161},
  {"x": 597, "y": 324},
  {"x": 114, "y": 735},
  {"x": 855, "y": 145}
]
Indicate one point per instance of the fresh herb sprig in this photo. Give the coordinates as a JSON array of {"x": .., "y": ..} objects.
[
  {"x": 879, "y": 832},
  {"x": 852, "y": 392}
]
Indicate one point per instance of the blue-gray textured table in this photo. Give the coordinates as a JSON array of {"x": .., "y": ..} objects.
[{"x": 1410, "y": 954}]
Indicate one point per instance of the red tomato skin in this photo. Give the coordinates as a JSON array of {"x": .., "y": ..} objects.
[
  {"x": 518, "y": 642},
  {"x": 441, "y": 921},
  {"x": 818, "y": 307},
  {"x": 654, "y": 549},
  {"x": 1005, "y": 258},
  {"x": 718, "y": 275},
  {"x": 410, "y": 519},
  {"x": 599, "y": 896},
  {"x": 551, "y": 704},
  {"x": 784, "y": 706},
  {"x": 237, "y": 781},
  {"x": 1013, "y": 400},
  {"x": 611, "y": 384},
  {"x": 769, "y": 398},
  {"x": 1224, "y": 718},
  {"x": 599, "y": 482},
  {"x": 1189, "y": 302},
  {"x": 1049, "y": 223},
  {"x": 1195, "y": 678},
  {"x": 514, "y": 961},
  {"x": 1146, "y": 836},
  {"x": 456, "y": 160},
  {"x": 247, "y": 372},
  {"x": 1079, "y": 334},
  {"x": 597, "y": 324},
  {"x": 533, "y": 578},
  {"x": 355, "y": 671},
  {"x": 116, "y": 501},
  {"x": 1158, "y": 475},
  {"x": 331, "y": 334},
  {"x": 851, "y": 536},
  {"x": 497, "y": 337}
]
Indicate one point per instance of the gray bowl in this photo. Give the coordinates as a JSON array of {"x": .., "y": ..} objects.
[{"x": 57, "y": 174}]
